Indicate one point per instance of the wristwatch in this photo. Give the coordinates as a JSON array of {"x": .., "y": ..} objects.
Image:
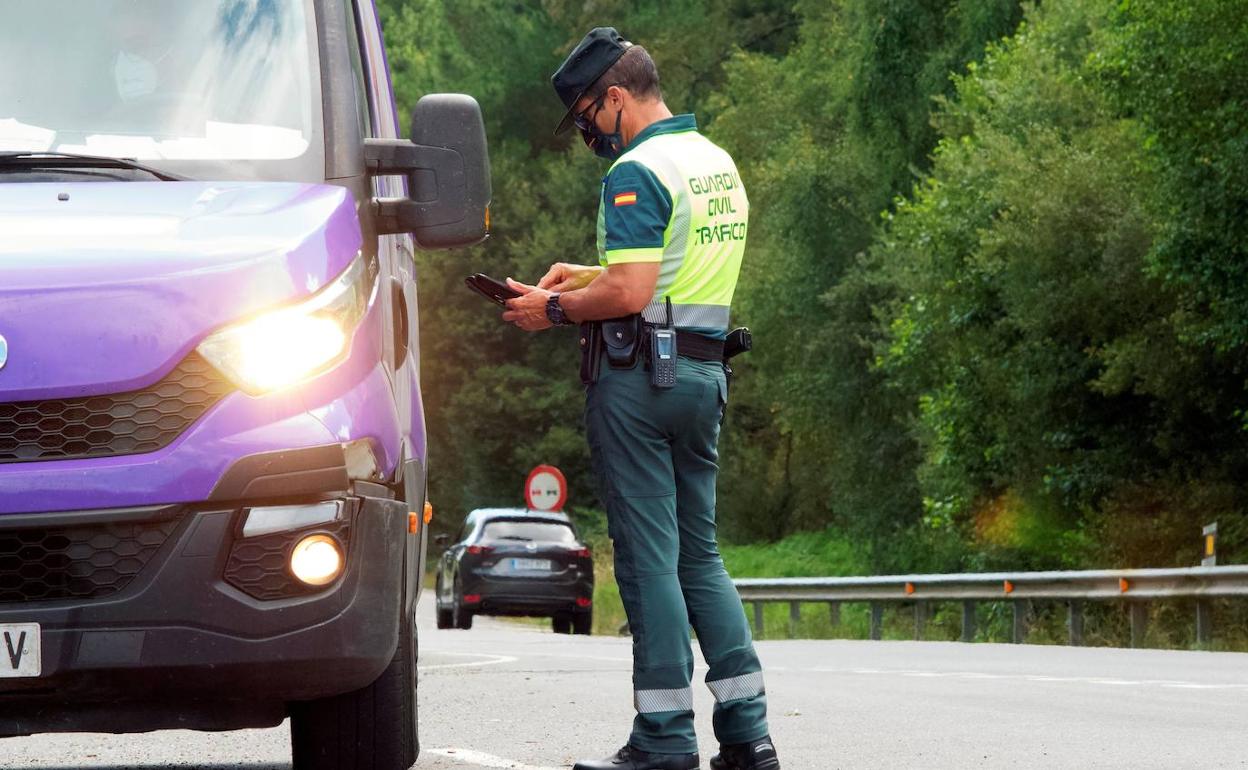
[{"x": 554, "y": 312}]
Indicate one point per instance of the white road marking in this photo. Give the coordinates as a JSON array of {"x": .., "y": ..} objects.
[
  {"x": 494, "y": 660},
  {"x": 481, "y": 759},
  {"x": 1036, "y": 678},
  {"x": 526, "y": 654},
  {"x": 579, "y": 657}
]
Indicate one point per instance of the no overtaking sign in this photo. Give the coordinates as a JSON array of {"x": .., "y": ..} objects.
[{"x": 546, "y": 489}]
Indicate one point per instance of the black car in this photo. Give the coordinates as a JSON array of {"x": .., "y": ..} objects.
[{"x": 510, "y": 561}]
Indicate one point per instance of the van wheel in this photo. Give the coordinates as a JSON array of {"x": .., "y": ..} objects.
[
  {"x": 561, "y": 623},
  {"x": 373, "y": 727},
  {"x": 583, "y": 623}
]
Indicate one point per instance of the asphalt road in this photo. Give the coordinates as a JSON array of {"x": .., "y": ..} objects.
[{"x": 512, "y": 696}]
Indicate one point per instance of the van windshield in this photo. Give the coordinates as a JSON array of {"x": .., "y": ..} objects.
[{"x": 157, "y": 80}]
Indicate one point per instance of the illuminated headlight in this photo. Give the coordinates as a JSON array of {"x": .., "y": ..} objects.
[{"x": 291, "y": 344}]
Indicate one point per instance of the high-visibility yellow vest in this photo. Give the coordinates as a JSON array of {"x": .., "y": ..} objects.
[{"x": 675, "y": 197}]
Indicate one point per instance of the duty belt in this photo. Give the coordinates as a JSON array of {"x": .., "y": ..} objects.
[
  {"x": 698, "y": 347},
  {"x": 623, "y": 341}
]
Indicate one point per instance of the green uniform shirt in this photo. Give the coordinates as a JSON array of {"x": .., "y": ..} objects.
[{"x": 674, "y": 197}]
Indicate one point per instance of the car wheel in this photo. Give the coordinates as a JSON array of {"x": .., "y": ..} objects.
[
  {"x": 373, "y": 727},
  {"x": 443, "y": 615},
  {"x": 561, "y": 623},
  {"x": 461, "y": 618},
  {"x": 583, "y": 623}
]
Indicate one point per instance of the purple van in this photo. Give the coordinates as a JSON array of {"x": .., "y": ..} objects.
[{"x": 212, "y": 445}]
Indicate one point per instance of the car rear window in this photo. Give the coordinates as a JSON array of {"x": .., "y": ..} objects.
[{"x": 529, "y": 530}]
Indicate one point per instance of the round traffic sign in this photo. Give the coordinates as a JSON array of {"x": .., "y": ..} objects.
[{"x": 546, "y": 489}]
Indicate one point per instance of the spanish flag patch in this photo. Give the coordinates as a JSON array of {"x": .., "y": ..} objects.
[{"x": 625, "y": 198}]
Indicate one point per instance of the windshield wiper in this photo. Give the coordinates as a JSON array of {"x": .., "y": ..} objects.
[{"x": 75, "y": 160}]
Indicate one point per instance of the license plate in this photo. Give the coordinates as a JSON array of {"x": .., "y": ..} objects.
[
  {"x": 529, "y": 565},
  {"x": 20, "y": 655}
]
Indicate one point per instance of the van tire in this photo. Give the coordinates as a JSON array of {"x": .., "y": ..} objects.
[{"x": 374, "y": 727}]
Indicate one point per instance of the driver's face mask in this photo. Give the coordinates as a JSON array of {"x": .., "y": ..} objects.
[{"x": 135, "y": 76}]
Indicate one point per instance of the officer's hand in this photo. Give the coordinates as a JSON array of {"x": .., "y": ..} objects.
[
  {"x": 528, "y": 311},
  {"x": 565, "y": 277}
]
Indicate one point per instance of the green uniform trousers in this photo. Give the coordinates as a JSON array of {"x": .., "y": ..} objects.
[{"x": 655, "y": 458}]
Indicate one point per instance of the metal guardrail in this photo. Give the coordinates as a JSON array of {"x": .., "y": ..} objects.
[{"x": 1075, "y": 587}]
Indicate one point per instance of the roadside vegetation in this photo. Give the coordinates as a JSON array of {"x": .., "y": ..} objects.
[{"x": 996, "y": 276}]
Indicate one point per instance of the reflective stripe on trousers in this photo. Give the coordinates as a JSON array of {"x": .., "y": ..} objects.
[
  {"x": 658, "y": 701},
  {"x": 738, "y": 687}
]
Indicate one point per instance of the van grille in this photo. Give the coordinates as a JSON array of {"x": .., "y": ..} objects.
[
  {"x": 107, "y": 426},
  {"x": 76, "y": 562}
]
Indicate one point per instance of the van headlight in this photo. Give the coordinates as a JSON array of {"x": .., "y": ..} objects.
[{"x": 291, "y": 344}]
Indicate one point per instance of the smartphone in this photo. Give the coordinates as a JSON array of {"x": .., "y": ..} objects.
[{"x": 495, "y": 291}]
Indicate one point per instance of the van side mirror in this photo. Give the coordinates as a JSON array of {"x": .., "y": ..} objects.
[{"x": 447, "y": 165}]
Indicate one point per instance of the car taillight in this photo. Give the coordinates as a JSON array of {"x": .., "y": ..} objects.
[
  {"x": 477, "y": 550},
  {"x": 582, "y": 602},
  {"x": 583, "y": 553},
  {"x": 472, "y": 598}
]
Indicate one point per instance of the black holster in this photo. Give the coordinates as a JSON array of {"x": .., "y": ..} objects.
[
  {"x": 591, "y": 351},
  {"x": 739, "y": 341}
]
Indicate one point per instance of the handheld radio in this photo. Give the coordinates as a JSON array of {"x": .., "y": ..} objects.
[{"x": 663, "y": 353}]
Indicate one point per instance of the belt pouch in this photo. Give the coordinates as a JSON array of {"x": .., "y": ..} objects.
[
  {"x": 622, "y": 339},
  {"x": 591, "y": 351}
]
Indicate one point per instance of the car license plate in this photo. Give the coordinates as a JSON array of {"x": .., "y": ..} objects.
[
  {"x": 20, "y": 655},
  {"x": 530, "y": 565}
]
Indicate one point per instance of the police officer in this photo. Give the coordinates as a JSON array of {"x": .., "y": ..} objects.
[{"x": 671, "y": 235}]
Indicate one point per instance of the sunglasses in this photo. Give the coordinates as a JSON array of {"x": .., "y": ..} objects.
[{"x": 583, "y": 120}]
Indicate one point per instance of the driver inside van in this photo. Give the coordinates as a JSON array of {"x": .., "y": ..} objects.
[{"x": 146, "y": 44}]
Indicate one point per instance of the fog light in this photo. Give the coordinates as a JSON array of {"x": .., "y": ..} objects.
[{"x": 317, "y": 560}]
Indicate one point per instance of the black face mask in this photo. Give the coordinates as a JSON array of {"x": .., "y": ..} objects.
[{"x": 608, "y": 146}]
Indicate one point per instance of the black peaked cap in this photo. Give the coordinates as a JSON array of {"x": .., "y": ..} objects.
[{"x": 591, "y": 58}]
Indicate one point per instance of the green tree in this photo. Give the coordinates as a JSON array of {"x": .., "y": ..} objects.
[
  {"x": 827, "y": 136},
  {"x": 1056, "y": 394},
  {"x": 1181, "y": 67}
]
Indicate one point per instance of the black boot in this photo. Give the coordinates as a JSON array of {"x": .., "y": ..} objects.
[
  {"x": 755, "y": 755},
  {"x": 629, "y": 758}
]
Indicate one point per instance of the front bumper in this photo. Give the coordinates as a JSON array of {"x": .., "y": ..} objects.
[{"x": 179, "y": 646}]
